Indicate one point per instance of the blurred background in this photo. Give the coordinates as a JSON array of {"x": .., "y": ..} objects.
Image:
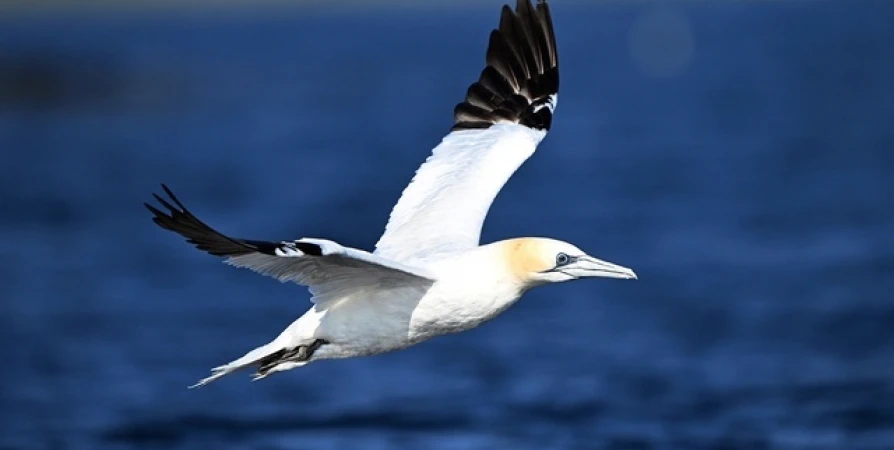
[{"x": 738, "y": 154}]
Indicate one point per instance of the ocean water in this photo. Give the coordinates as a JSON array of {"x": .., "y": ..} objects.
[{"x": 738, "y": 155}]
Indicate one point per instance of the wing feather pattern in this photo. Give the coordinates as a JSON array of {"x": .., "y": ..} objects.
[
  {"x": 521, "y": 75},
  {"x": 327, "y": 268},
  {"x": 497, "y": 127}
]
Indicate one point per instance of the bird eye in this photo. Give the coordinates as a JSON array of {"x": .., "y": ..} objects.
[{"x": 562, "y": 259}]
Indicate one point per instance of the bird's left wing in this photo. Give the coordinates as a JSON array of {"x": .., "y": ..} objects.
[
  {"x": 330, "y": 270},
  {"x": 506, "y": 113}
]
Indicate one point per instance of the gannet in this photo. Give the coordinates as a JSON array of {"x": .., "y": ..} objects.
[{"x": 428, "y": 275}]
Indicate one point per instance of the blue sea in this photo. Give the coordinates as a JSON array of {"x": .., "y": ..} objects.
[{"x": 738, "y": 155}]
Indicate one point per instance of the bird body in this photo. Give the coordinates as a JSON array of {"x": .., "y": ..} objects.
[
  {"x": 428, "y": 275},
  {"x": 469, "y": 288}
]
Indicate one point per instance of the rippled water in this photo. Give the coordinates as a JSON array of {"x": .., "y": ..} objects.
[{"x": 742, "y": 164}]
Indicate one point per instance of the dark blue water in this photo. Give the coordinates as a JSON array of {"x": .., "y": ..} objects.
[{"x": 744, "y": 167}]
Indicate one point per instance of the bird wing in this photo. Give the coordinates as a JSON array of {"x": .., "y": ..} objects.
[
  {"x": 505, "y": 114},
  {"x": 327, "y": 268}
]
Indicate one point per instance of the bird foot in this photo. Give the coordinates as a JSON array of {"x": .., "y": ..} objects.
[{"x": 298, "y": 354}]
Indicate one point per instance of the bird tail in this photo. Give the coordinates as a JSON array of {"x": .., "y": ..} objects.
[
  {"x": 270, "y": 358},
  {"x": 267, "y": 352}
]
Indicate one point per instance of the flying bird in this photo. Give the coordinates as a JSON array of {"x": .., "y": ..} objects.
[{"x": 428, "y": 275}]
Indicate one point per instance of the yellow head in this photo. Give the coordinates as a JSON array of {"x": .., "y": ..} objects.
[{"x": 536, "y": 261}]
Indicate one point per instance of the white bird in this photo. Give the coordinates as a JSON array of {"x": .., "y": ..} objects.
[{"x": 428, "y": 275}]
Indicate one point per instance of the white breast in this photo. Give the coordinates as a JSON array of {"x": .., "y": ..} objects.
[{"x": 470, "y": 290}]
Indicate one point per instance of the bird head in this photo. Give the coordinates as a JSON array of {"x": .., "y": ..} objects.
[{"x": 537, "y": 261}]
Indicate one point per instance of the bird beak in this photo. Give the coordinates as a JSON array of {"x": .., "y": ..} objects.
[{"x": 590, "y": 267}]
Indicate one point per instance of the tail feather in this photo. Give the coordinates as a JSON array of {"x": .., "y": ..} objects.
[
  {"x": 268, "y": 351},
  {"x": 270, "y": 358},
  {"x": 215, "y": 374},
  {"x": 263, "y": 372}
]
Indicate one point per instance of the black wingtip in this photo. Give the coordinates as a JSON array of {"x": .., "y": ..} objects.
[
  {"x": 181, "y": 221},
  {"x": 521, "y": 77},
  {"x": 172, "y": 196}
]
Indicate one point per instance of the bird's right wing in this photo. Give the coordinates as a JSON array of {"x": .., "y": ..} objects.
[
  {"x": 331, "y": 271},
  {"x": 503, "y": 118}
]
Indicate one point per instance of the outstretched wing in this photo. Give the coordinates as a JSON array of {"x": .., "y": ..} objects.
[
  {"x": 506, "y": 113},
  {"x": 327, "y": 268}
]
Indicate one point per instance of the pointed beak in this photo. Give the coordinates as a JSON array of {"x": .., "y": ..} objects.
[{"x": 590, "y": 267}]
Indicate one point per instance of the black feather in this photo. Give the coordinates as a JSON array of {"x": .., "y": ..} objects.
[
  {"x": 179, "y": 220},
  {"x": 494, "y": 82},
  {"x": 500, "y": 56},
  {"x": 308, "y": 248},
  {"x": 520, "y": 75}
]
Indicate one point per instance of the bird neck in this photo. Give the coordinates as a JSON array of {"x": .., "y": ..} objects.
[
  {"x": 519, "y": 260},
  {"x": 505, "y": 269}
]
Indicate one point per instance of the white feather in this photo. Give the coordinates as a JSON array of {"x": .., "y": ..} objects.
[
  {"x": 337, "y": 273},
  {"x": 443, "y": 208}
]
